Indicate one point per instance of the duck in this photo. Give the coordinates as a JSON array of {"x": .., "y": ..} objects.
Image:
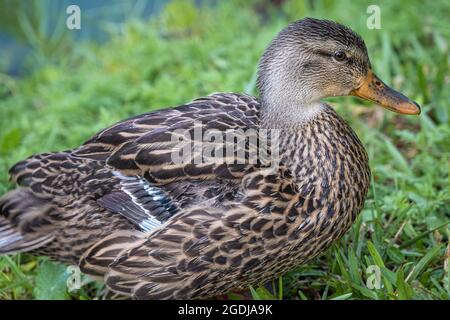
[{"x": 145, "y": 209}]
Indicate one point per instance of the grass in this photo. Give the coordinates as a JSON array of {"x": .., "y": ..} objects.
[{"x": 401, "y": 237}]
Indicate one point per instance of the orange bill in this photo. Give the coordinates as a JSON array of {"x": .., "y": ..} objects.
[{"x": 375, "y": 90}]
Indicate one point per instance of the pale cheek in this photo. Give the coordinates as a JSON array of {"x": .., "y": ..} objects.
[{"x": 333, "y": 89}]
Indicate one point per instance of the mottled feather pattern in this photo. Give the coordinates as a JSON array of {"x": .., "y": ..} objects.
[
  {"x": 285, "y": 218},
  {"x": 133, "y": 146},
  {"x": 64, "y": 189},
  {"x": 210, "y": 227}
]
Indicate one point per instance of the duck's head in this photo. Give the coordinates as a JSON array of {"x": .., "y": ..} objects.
[{"x": 312, "y": 59}]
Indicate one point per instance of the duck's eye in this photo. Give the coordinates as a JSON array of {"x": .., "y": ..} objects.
[{"x": 339, "y": 56}]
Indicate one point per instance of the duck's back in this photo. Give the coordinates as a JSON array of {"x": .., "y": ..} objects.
[{"x": 123, "y": 178}]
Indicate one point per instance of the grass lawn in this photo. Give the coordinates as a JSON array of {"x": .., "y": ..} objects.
[{"x": 403, "y": 231}]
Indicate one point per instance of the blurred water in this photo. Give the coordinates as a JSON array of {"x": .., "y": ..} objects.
[{"x": 98, "y": 19}]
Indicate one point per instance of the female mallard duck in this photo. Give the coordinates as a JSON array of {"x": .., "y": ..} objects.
[{"x": 122, "y": 209}]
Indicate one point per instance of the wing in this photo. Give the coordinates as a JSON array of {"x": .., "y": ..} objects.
[
  {"x": 146, "y": 145},
  {"x": 126, "y": 169},
  {"x": 140, "y": 153},
  {"x": 143, "y": 204}
]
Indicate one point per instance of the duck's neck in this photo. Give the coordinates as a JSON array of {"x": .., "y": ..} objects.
[
  {"x": 282, "y": 114},
  {"x": 288, "y": 103}
]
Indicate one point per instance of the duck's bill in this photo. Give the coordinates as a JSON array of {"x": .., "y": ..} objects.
[{"x": 377, "y": 91}]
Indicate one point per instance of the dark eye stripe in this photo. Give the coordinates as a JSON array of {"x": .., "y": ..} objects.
[
  {"x": 331, "y": 54},
  {"x": 323, "y": 53}
]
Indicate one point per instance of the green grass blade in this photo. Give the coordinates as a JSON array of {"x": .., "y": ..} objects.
[
  {"x": 343, "y": 297},
  {"x": 420, "y": 266}
]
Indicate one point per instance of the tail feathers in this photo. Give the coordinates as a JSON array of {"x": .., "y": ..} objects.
[
  {"x": 8, "y": 236},
  {"x": 23, "y": 225},
  {"x": 12, "y": 241}
]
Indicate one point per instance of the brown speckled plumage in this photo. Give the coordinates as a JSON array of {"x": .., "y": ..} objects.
[
  {"x": 120, "y": 208},
  {"x": 285, "y": 217}
]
